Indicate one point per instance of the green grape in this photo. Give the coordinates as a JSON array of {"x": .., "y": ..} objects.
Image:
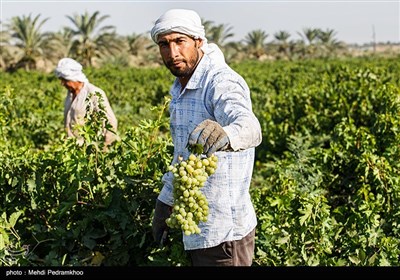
[{"x": 190, "y": 204}]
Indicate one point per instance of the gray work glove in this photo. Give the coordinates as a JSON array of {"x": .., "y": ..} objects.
[
  {"x": 159, "y": 227},
  {"x": 211, "y": 135}
]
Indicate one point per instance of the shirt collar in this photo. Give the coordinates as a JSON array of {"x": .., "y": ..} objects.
[{"x": 198, "y": 74}]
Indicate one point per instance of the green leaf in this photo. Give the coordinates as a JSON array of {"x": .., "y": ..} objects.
[{"x": 14, "y": 217}]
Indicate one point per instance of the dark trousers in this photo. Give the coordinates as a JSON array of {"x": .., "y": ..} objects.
[{"x": 229, "y": 253}]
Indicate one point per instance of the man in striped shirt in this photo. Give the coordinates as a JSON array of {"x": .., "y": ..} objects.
[{"x": 210, "y": 105}]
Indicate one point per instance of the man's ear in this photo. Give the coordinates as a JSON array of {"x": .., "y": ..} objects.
[{"x": 200, "y": 43}]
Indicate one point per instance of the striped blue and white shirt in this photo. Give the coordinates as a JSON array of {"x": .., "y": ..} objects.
[{"x": 218, "y": 93}]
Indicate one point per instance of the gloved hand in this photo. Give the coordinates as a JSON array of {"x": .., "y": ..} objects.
[
  {"x": 211, "y": 135},
  {"x": 161, "y": 213}
]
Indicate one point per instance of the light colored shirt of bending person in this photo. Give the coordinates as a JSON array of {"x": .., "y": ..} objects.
[{"x": 75, "y": 110}]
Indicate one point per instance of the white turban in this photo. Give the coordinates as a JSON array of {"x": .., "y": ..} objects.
[
  {"x": 179, "y": 20},
  {"x": 186, "y": 22},
  {"x": 70, "y": 70}
]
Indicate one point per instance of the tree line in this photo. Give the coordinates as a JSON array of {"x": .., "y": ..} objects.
[{"x": 92, "y": 42}]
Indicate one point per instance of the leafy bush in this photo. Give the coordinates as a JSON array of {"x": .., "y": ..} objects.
[{"x": 325, "y": 185}]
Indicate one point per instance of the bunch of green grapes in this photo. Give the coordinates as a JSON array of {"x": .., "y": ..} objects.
[{"x": 190, "y": 204}]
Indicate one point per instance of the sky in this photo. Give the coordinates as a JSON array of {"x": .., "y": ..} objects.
[{"x": 355, "y": 22}]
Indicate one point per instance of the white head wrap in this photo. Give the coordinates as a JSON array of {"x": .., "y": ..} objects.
[
  {"x": 70, "y": 70},
  {"x": 186, "y": 22}
]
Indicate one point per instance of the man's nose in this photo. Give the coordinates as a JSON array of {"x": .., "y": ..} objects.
[{"x": 173, "y": 50}]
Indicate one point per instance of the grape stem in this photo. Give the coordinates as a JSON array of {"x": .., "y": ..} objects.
[{"x": 196, "y": 149}]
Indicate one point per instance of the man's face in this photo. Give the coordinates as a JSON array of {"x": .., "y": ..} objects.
[
  {"x": 180, "y": 53},
  {"x": 70, "y": 85}
]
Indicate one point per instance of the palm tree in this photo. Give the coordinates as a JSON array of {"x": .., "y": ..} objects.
[
  {"x": 27, "y": 38},
  {"x": 309, "y": 36},
  {"x": 5, "y": 48},
  {"x": 282, "y": 36},
  {"x": 255, "y": 41},
  {"x": 328, "y": 41},
  {"x": 220, "y": 33},
  {"x": 142, "y": 49},
  {"x": 90, "y": 40},
  {"x": 136, "y": 43},
  {"x": 283, "y": 44},
  {"x": 326, "y": 37},
  {"x": 60, "y": 44},
  {"x": 208, "y": 25},
  {"x": 234, "y": 51}
]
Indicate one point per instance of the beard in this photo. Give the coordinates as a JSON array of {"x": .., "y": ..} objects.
[{"x": 183, "y": 71}]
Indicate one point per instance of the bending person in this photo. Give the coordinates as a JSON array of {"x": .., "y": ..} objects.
[{"x": 76, "y": 105}]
